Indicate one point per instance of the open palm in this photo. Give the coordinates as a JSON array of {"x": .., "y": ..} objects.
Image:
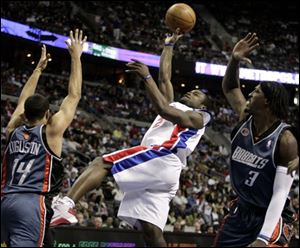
[{"x": 244, "y": 47}]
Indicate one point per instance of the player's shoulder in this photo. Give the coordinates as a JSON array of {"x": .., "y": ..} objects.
[
  {"x": 287, "y": 137},
  {"x": 180, "y": 105}
]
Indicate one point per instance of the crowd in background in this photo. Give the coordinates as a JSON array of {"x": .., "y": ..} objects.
[
  {"x": 105, "y": 98},
  {"x": 277, "y": 30},
  {"x": 128, "y": 26}
]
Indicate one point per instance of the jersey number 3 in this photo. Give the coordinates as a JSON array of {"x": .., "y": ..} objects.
[
  {"x": 251, "y": 178},
  {"x": 21, "y": 168}
]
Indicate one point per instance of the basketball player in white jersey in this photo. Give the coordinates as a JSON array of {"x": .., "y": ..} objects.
[{"x": 148, "y": 174}]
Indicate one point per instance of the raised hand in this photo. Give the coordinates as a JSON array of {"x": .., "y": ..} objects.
[
  {"x": 244, "y": 47},
  {"x": 140, "y": 68},
  {"x": 172, "y": 39},
  {"x": 75, "y": 45},
  {"x": 42, "y": 64}
]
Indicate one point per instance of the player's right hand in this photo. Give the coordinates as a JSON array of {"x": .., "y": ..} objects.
[
  {"x": 244, "y": 47},
  {"x": 75, "y": 44},
  {"x": 172, "y": 39},
  {"x": 139, "y": 67}
]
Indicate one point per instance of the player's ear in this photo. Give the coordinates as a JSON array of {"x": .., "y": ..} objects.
[
  {"x": 267, "y": 101},
  {"x": 48, "y": 114}
]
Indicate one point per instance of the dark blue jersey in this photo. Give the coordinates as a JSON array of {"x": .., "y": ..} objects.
[
  {"x": 28, "y": 165},
  {"x": 253, "y": 166}
]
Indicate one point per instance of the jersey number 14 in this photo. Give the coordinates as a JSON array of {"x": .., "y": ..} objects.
[{"x": 21, "y": 168}]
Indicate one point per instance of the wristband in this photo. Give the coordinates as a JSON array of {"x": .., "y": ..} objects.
[
  {"x": 37, "y": 69},
  {"x": 169, "y": 44},
  {"x": 147, "y": 77}
]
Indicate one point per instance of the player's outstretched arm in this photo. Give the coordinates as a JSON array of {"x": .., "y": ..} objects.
[
  {"x": 165, "y": 66},
  {"x": 231, "y": 82},
  {"x": 28, "y": 90},
  {"x": 63, "y": 118},
  {"x": 189, "y": 119}
]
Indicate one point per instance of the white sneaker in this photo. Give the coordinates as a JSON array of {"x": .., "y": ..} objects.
[{"x": 64, "y": 212}]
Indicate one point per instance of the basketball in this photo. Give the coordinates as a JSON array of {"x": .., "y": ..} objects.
[{"x": 180, "y": 15}]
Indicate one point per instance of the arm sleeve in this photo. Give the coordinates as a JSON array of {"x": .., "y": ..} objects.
[{"x": 281, "y": 189}]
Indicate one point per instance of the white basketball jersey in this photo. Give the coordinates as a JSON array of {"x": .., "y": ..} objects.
[{"x": 181, "y": 141}]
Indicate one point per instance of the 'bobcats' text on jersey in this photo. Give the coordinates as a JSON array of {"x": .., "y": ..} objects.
[{"x": 253, "y": 165}]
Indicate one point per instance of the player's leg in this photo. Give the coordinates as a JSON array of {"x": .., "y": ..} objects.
[
  {"x": 90, "y": 179},
  {"x": 152, "y": 234},
  {"x": 241, "y": 226},
  {"x": 283, "y": 232},
  {"x": 26, "y": 224}
]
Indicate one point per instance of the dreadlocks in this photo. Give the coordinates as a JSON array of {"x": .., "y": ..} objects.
[{"x": 277, "y": 97}]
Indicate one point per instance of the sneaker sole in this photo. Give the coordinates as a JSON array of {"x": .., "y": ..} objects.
[{"x": 62, "y": 221}]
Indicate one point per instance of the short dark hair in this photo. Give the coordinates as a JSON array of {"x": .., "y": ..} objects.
[
  {"x": 208, "y": 102},
  {"x": 277, "y": 97},
  {"x": 35, "y": 107}
]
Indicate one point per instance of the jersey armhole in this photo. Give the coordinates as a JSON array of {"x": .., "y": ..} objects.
[
  {"x": 277, "y": 146},
  {"x": 44, "y": 138}
]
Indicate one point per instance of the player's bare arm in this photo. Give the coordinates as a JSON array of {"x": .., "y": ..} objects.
[
  {"x": 288, "y": 148},
  {"x": 231, "y": 82},
  {"x": 187, "y": 119},
  {"x": 28, "y": 90},
  {"x": 165, "y": 66},
  {"x": 63, "y": 118}
]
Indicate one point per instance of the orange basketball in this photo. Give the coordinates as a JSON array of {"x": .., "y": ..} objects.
[{"x": 180, "y": 15}]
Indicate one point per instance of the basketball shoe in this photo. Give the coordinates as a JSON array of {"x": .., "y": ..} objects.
[{"x": 64, "y": 212}]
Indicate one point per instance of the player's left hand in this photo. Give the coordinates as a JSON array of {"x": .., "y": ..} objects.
[
  {"x": 139, "y": 67},
  {"x": 257, "y": 243},
  {"x": 42, "y": 64},
  {"x": 293, "y": 165}
]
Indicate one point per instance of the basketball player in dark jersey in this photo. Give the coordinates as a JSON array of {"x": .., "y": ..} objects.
[
  {"x": 31, "y": 170},
  {"x": 263, "y": 148}
]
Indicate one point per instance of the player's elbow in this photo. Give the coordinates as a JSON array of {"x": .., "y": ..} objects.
[
  {"x": 76, "y": 95},
  {"x": 164, "y": 80},
  {"x": 162, "y": 108},
  {"x": 161, "y": 111},
  {"x": 226, "y": 89}
]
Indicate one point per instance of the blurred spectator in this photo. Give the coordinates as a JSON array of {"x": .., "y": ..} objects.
[{"x": 97, "y": 222}]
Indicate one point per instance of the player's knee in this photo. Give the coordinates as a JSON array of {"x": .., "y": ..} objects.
[{"x": 150, "y": 231}]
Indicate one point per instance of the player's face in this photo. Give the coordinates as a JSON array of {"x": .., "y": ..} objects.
[
  {"x": 256, "y": 101},
  {"x": 194, "y": 98}
]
